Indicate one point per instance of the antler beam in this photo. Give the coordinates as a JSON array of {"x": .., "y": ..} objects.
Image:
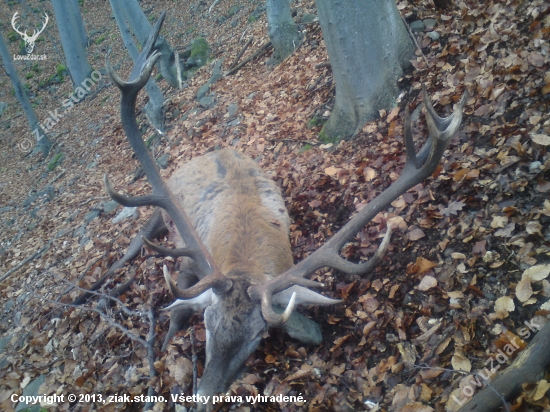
[
  {"x": 162, "y": 195},
  {"x": 418, "y": 167}
]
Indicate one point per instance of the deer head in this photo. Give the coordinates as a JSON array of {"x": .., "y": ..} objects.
[
  {"x": 232, "y": 228},
  {"x": 29, "y": 40}
]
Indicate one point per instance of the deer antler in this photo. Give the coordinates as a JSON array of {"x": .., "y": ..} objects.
[
  {"x": 418, "y": 166},
  {"x": 162, "y": 195}
]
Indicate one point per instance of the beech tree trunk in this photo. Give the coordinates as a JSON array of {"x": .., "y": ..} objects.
[
  {"x": 140, "y": 26},
  {"x": 42, "y": 141},
  {"x": 153, "y": 108},
  {"x": 75, "y": 53},
  {"x": 369, "y": 47},
  {"x": 281, "y": 29}
]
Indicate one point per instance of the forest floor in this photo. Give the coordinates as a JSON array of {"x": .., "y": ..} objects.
[{"x": 466, "y": 268}]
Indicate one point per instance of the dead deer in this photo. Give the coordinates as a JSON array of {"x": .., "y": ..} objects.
[{"x": 229, "y": 222}]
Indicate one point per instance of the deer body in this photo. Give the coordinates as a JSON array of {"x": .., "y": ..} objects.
[{"x": 237, "y": 211}]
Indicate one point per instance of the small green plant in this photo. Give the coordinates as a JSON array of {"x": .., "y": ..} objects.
[
  {"x": 252, "y": 18},
  {"x": 36, "y": 68},
  {"x": 55, "y": 162},
  {"x": 29, "y": 76},
  {"x": 305, "y": 148},
  {"x": 233, "y": 10},
  {"x": 61, "y": 70},
  {"x": 100, "y": 40},
  {"x": 159, "y": 77},
  {"x": 80, "y": 3},
  {"x": 12, "y": 36},
  {"x": 315, "y": 122}
]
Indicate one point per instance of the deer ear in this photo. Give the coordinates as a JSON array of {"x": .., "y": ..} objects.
[
  {"x": 197, "y": 303},
  {"x": 304, "y": 296}
]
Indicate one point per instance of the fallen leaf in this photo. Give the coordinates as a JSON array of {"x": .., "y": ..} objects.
[
  {"x": 507, "y": 231},
  {"x": 427, "y": 283},
  {"x": 416, "y": 234},
  {"x": 536, "y": 273},
  {"x": 524, "y": 290},
  {"x": 541, "y": 139},
  {"x": 499, "y": 221},
  {"x": 503, "y": 307},
  {"x": 331, "y": 171},
  {"x": 369, "y": 173},
  {"x": 461, "y": 362}
]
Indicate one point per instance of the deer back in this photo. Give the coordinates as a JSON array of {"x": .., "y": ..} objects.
[{"x": 238, "y": 212}]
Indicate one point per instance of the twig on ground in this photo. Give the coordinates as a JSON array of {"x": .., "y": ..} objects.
[
  {"x": 414, "y": 40},
  {"x": 241, "y": 53},
  {"x": 263, "y": 48}
]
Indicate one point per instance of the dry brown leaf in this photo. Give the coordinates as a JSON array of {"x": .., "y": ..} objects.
[
  {"x": 422, "y": 265},
  {"x": 427, "y": 283},
  {"x": 507, "y": 231},
  {"x": 417, "y": 407},
  {"x": 542, "y": 139},
  {"x": 503, "y": 306},
  {"x": 332, "y": 171},
  {"x": 416, "y": 234},
  {"x": 536, "y": 273},
  {"x": 524, "y": 290},
  {"x": 499, "y": 221},
  {"x": 539, "y": 391},
  {"x": 534, "y": 228},
  {"x": 369, "y": 173},
  {"x": 461, "y": 362}
]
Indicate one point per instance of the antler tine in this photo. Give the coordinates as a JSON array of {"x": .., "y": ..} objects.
[
  {"x": 162, "y": 196},
  {"x": 129, "y": 201},
  {"x": 187, "y": 252},
  {"x": 219, "y": 284},
  {"x": 264, "y": 292},
  {"x": 418, "y": 166}
]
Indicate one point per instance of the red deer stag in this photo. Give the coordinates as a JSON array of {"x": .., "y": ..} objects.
[{"x": 230, "y": 224}]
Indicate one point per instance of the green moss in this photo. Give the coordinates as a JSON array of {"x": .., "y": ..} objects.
[
  {"x": 200, "y": 51},
  {"x": 233, "y": 10},
  {"x": 305, "y": 148},
  {"x": 12, "y": 36},
  {"x": 100, "y": 40},
  {"x": 326, "y": 138},
  {"x": 315, "y": 122},
  {"x": 55, "y": 162},
  {"x": 252, "y": 18},
  {"x": 159, "y": 77},
  {"x": 61, "y": 70}
]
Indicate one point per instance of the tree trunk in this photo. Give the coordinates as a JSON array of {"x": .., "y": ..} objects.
[
  {"x": 369, "y": 47},
  {"x": 79, "y": 26},
  {"x": 153, "y": 108},
  {"x": 281, "y": 29},
  {"x": 75, "y": 53},
  {"x": 140, "y": 26},
  {"x": 42, "y": 141}
]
